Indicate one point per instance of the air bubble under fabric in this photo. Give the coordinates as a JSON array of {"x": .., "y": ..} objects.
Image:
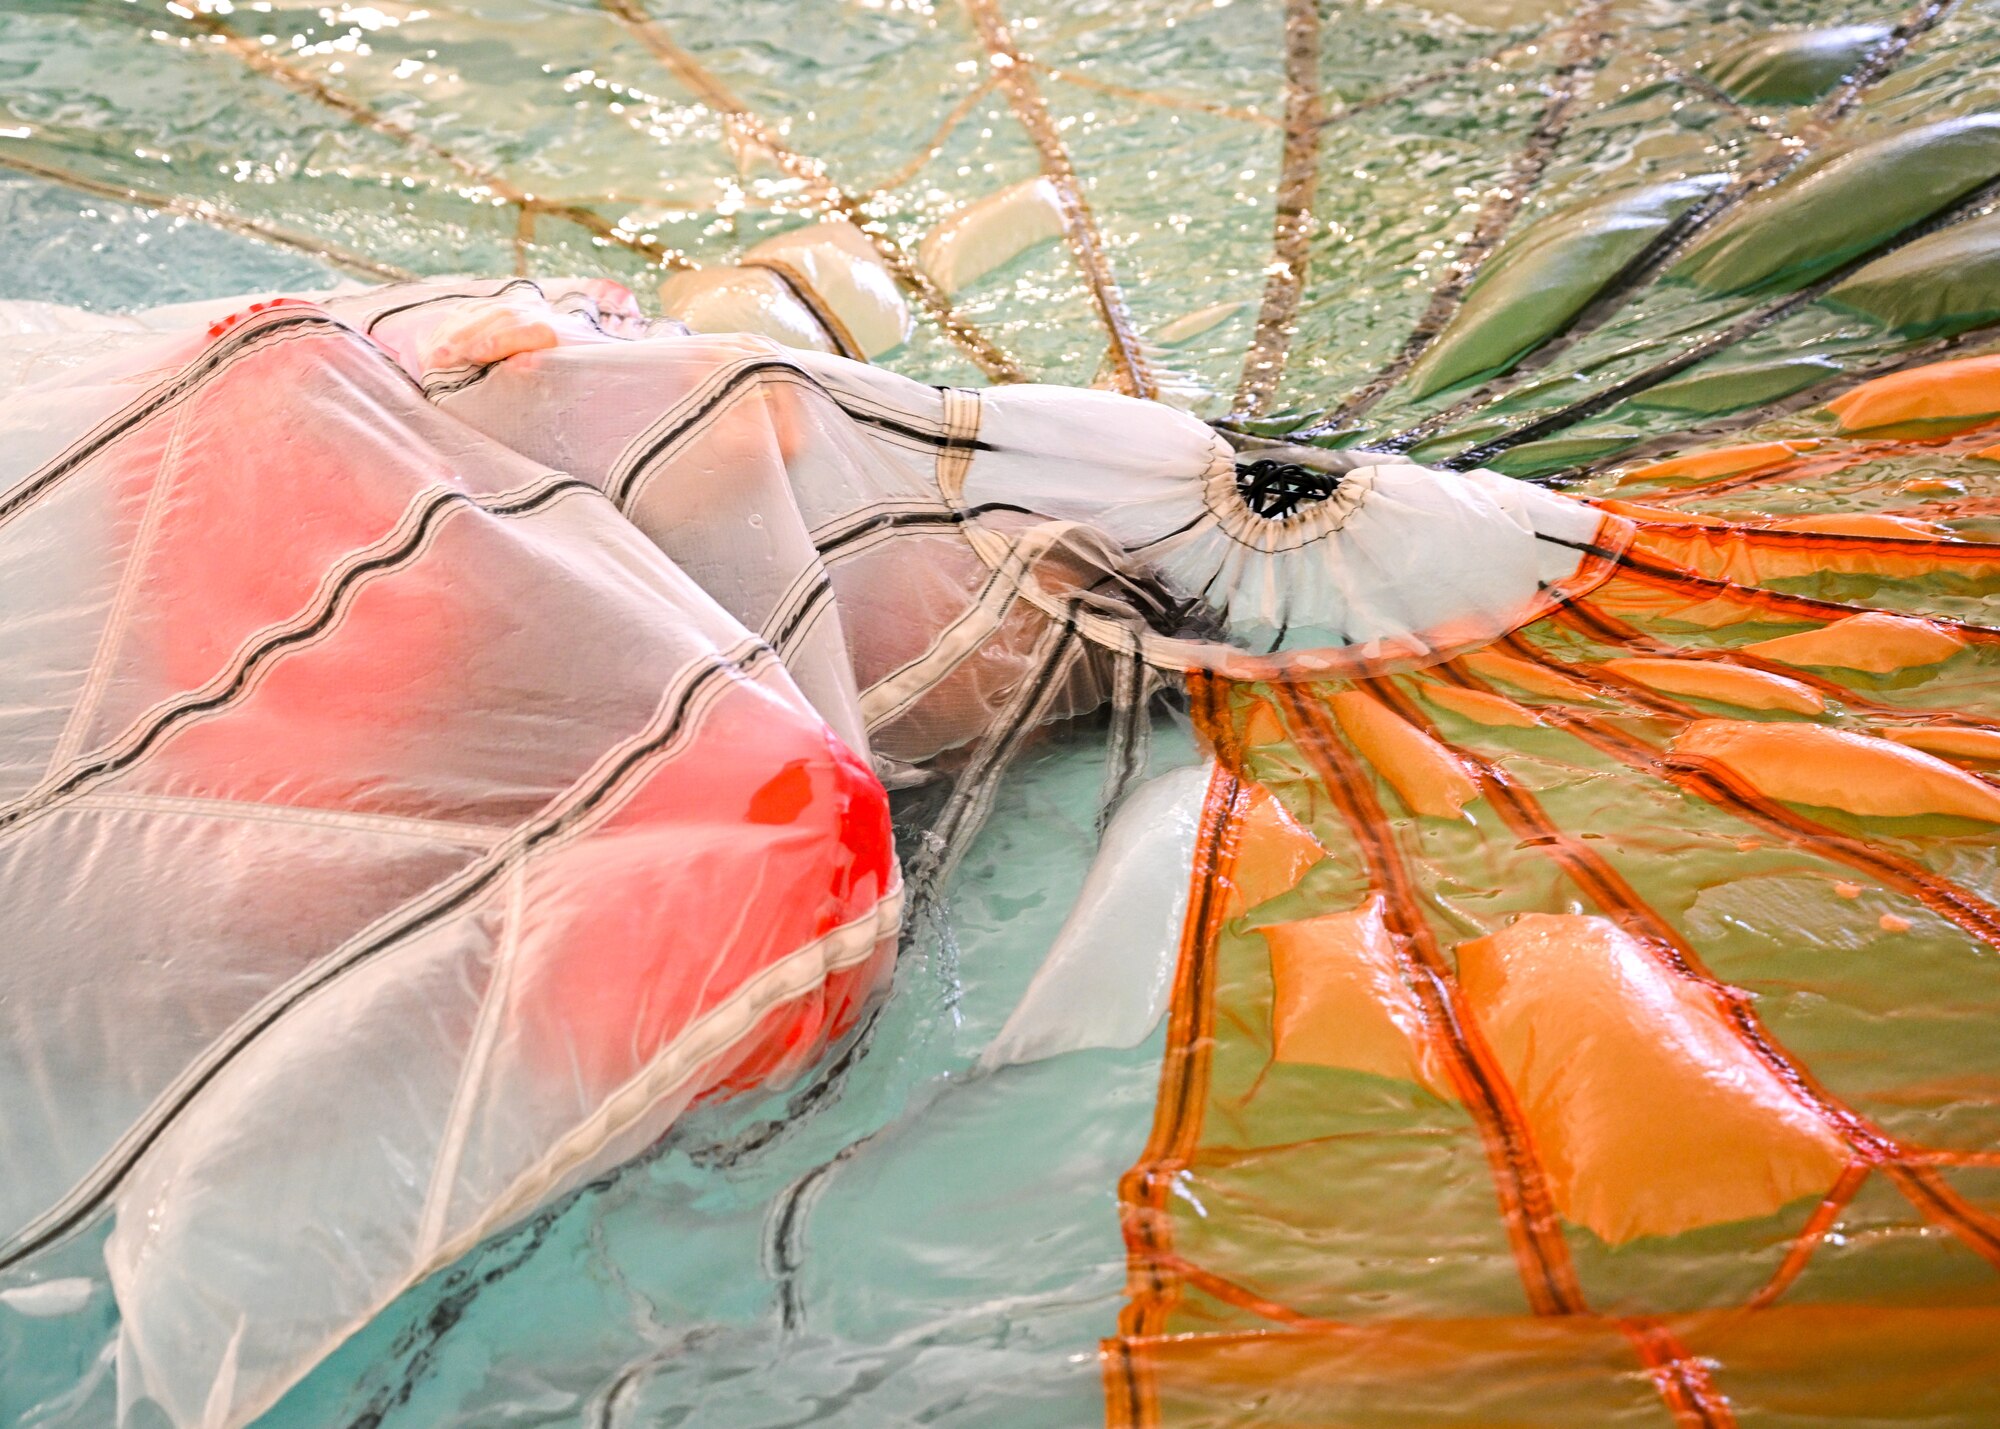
[{"x": 432, "y": 728}]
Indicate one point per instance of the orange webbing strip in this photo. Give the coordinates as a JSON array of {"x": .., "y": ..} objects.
[
  {"x": 1547, "y": 1272},
  {"x": 1129, "y": 1401},
  {"x": 1177, "y": 1121},
  {"x": 1682, "y": 1379},
  {"x": 1153, "y": 1272},
  {"x": 1229, "y": 1292},
  {"x": 1927, "y": 1191},
  {"x": 1932, "y": 1156},
  {"x": 1813, "y": 1232}
]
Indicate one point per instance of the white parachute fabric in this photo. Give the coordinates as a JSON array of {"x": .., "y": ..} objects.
[
  {"x": 368, "y": 794},
  {"x": 804, "y": 492},
  {"x": 432, "y": 725},
  {"x": 1118, "y": 517},
  {"x": 1396, "y": 555},
  {"x": 1109, "y": 973}
]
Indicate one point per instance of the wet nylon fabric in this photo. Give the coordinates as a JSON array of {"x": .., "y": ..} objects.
[
  {"x": 392, "y": 683},
  {"x": 1011, "y": 507},
  {"x": 1642, "y": 953},
  {"x": 367, "y": 788}
]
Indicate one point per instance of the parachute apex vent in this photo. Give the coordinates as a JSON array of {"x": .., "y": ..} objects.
[{"x": 1275, "y": 489}]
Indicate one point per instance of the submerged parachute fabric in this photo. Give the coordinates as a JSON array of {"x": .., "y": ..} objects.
[
  {"x": 367, "y": 791},
  {"x": 1107, "y": 976},
  {"x": 1036, "y": 505},
  {"x": 530, "y": 703},
  {"x": 1647, "y": 921},
  {"x": 398, "y": 677},
  {"x": 1665, "y": 833}
]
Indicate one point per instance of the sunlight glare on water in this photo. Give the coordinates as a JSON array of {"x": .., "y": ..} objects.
[{"x": 920, "y": 1244}]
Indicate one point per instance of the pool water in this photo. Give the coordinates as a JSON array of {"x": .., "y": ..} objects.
[
  {"x": 953, "y": 1258},
  {"x": 901, "y": 1239}
]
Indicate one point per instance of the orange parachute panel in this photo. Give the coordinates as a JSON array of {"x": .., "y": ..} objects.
[
  {"x": 1877, "y": 643},
  {"x": 1660, "y": 515},
  {"x": 1950, "y": 740},
  {"x": 1426, "y": 775},
  {"x": 1693, "y": 606},
  {"x": 1854, "y": 1364},
  {"x": 1479, "y": 706},
  {"x": 1864, "y": 523},
  {"x": 1340, "y": 999},
  {"x": 1790, "y": 1364},
  {"x": 1724, "y": 461},
  {"x": 1272, "y": 855},
  {"x": 1811, "y": 764},
  {"x": 1965, "y": 389},
  {"x": 1864, "y": 545},
  {"x": 1498, "y": 1373},
  {"x": 1261, "y": 727},
  {"x": 1651, "y": 1114},
  {"x": 1728, "y": 684},
  {"x": 1525, "y": 675}
]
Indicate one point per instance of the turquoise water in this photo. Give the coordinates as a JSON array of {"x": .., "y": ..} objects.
[
  {"x": 114, "y": 256},
  {"x": 956, "y": 1263},
  {"x": 556, "y": 98},
  {"x": 896, "y": 1241}
]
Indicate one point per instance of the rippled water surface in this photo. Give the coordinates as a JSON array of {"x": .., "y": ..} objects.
[{"x": 899, "y": 1241}]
